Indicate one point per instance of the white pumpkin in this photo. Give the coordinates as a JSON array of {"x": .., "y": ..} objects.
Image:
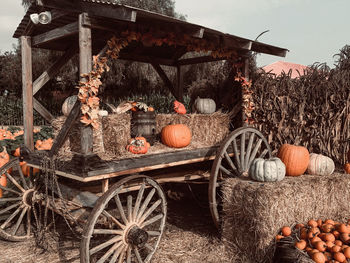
[
  {"x": 267, "y": 170},
  {"x": 206, "y": 106},
  {"x": 68, "y": 104},
  {"x": 320, "y": 165}
]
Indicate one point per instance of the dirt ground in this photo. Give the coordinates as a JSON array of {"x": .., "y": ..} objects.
[{"x": 190, "y": 237}]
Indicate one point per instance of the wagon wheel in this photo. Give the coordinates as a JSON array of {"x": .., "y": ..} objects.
[
  {"x": 17, "y": 203},
  {"x": 128, "y": 231},
  {"x": 233, "y": 159}
]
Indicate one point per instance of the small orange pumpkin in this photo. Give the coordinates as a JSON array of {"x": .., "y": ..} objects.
[
  {"x": 138, "y": 145},
  {"x": 339, "y": 257},
  {"x": 320, "y": 246},
  {"x": 26, "y": 169},
  {"x": 335, "y": 249},
  {"x": 300, "y": 244},
  {"x": 347, "y": 168},
  {"x": 346, "y": 252},
  {"x": 3, "y": 182},
  {"x": 179, "y": 107},
  {"x": 286, "y": 231},
  {"x": 176, "y": 135},
  {"x": 318, "y": 257},
  {"x": 312, "y": 223},
  {"x": 296, "y": 159},
  {"x": 278, "y": 237}
]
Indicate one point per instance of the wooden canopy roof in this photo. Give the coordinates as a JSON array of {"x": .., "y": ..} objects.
[{"x": 106, "y": 18}]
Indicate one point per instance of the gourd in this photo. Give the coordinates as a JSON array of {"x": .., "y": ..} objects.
[
  {"x": 206, "y": 106},
  {"x": 270, "y": 170},
  {"x": 320, "y": 165},
  {"x": 179, "y": 107},
  {"x": 138, "y": 145},
  {"x": 68, "y": 104},
  {"x": 295, "y": 158},
  {"x": 176, "y": 135}
]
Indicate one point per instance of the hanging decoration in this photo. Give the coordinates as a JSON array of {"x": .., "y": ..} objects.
[{"x": 90, "y": 83}]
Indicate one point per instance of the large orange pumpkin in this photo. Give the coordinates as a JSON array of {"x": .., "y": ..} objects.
[
  {"x": 176, "y": 135},
  {"x": 296, "y": 159}
]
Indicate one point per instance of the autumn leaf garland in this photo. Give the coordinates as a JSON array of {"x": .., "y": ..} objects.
[{"x": 90, "y": 83}]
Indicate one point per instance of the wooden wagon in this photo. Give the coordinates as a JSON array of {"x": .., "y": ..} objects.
[{"x": 125, "y": 219}]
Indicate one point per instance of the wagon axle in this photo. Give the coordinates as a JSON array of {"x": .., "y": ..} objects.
[{"x": 137, "y": 236}]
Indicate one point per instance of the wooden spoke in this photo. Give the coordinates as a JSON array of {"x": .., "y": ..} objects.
[
  {"x": 138, "y": 200},
  {"x": 11, "y": 217},
  {"x": 249, "y": 150},
  {"x": 145, "y": 203},
  {"x": 262, "y": 155},
  {"x": 107, "y": 232},
  {"x": 128, "y": 255},
  {"x": 255, "y": 151},
  {"x": 120, "y": 208},
  {"x": 242, "y": 151},
  {"x": 129, "y": 206},
  {"x": 223, "y": 169},
  {"x": 229, "y": 160},
  {"x": 149, "y": 247},
  {"x": 138, "y": 256},
  {"x": 116, "y": 247},
  {"x": 152, "y": 220},
  {"x": 235, "y": 151},
  {"x": 9, "y": 190},
  {"x": 149, "y": 211},
  {"x": 10, "y": 199},
  {"x": 29, "y": 222},
  {"x": 245, "y": 151},
  {"x": 105, "y": 244},
  {"x": 24, "y": 183},
  {"x": 153, "y": 233},
  {"x": 19, "y": 221},
  {"x": 15, "y": 182},
  {"x": 113, "y": 219},
  {"x": 122, "y": 256},
  {"x": 10, "y": 207}
]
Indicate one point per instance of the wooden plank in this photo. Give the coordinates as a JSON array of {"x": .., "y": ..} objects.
[
  {"x": 27, "y": 91},
  {"x": 56, "y": 34},
  {"x": 42, "y": 111},
  {"x": 236, "y": 42},
  {"x": 54, "y": 69},
  {"x": 180, "y": 83},
  {"x": 66, "y": 127},
  {"x": 165, "y": 79},
  {"x": 111, "y": 11},
  {"x": 197, "y": 60},
  {"x": 105, "y": 185},
  {"x": 85, "y": 66},
  {"x": 198, "y": 33}
]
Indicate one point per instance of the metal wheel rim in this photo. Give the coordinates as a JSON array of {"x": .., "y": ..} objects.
[
  {"x": 124, "y": 251},
  {"x": 17, "y": 203},
  {"x": 241, "y": 163}
]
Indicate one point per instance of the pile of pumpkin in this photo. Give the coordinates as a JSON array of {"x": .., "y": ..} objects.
[
  {"x": 324, "y": 241},
  {"x": 292, "y": 160},
  {"x": 173, "y": 135}
]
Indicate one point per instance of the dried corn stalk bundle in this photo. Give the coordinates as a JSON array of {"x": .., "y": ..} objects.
[{"x": 312, "y": 110}]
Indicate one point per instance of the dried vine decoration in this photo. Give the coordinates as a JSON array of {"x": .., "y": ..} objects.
[
  {"x": 247, "y": 98},
  {"x": 89, "y": 86}
]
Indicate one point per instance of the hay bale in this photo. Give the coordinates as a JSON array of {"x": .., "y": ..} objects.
[
  {"x": 116, "y": 132},
  {"x": 253, "y": 212},
  {"x": 207, "y": 129}
]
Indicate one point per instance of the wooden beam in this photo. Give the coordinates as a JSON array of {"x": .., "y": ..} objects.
[
  {"x": 198, "y": 33},
  {"x": 165, "y": 79},
  {"x": 197, "y": 60},
  {"x": 55, "y": 34},
  {"x": 180, "y": 83},
  {"x": 54, "y": 69},
  {"x": 94, "y": 9},
  {"x": 237, "y": 43},
  {"x": 42, "y": 111},
  {"x": 66, "y": 127},
  {"x": 146, "y": 59},
  {"x": 85, "y": 66},
  {"x": 27, "y": 91}
]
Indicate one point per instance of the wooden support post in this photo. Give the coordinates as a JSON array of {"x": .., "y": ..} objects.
[
  {"x": 180, "y": 83},
  {"x": 27, "y": 91},
  {"x": 105, "y": 185},
  {"x": 245, "y": 72},
  {"x": 85, "y": 66},
  {"x": 165, "y": 79}
]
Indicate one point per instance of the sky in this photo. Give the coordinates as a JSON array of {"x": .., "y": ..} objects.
[{"x": 313, "y": 30}]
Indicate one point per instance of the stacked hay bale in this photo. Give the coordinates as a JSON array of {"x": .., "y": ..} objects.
[
  {"x": 253, "y": 212},
  {"x": 114, "y": 132}
]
